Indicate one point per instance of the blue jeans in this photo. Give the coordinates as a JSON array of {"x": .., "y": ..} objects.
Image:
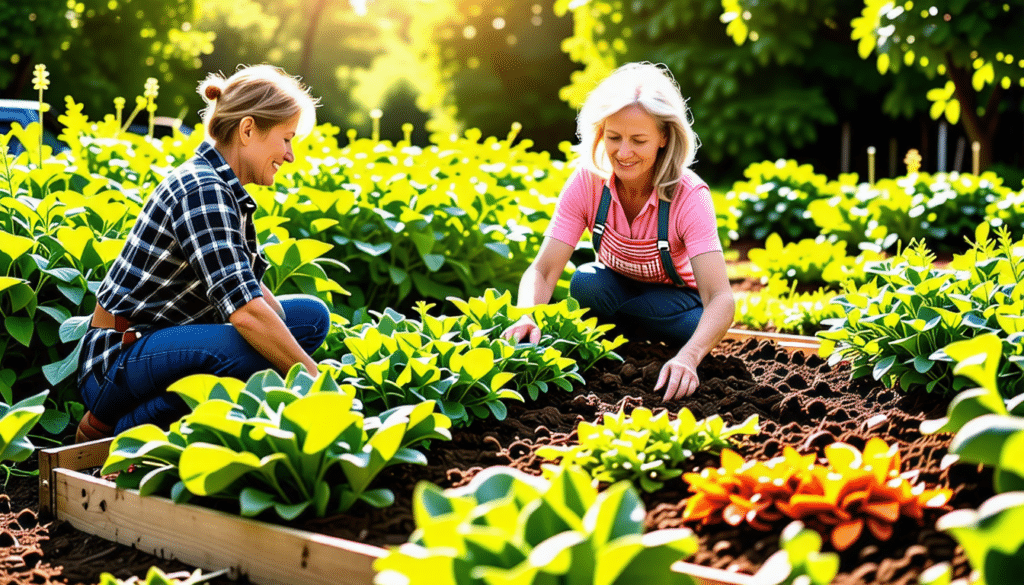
[
  {"x": 643, "y": 310},
  {"x": 134, "y": 390}
]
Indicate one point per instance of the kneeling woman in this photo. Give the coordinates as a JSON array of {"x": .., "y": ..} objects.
[
  {"x": 660, "y": 269},
  {"x": 185, "y": 294}
]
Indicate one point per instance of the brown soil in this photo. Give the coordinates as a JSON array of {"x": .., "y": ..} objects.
[{"x": 801, "y": 402}]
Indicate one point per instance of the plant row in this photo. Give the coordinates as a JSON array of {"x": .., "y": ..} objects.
[
  {"x": 798, "y": 203},
  {"x": 896, "y": 327}
]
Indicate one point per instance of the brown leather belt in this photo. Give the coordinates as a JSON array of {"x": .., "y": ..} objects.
[{"x": 103, "y": 319}]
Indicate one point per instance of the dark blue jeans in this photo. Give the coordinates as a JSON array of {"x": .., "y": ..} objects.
[
  {"x": 660, "y": 312},
  {"x": 134, "y": 390}
]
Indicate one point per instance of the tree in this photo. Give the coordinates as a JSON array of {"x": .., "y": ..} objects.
[
  {"x": 501, "y": 63},
  {"x": 322, "y": 41},
  {"x": 97, "y": 50},
  {"x": 974, "y": 44},
  {"x": 769, "y": 98}
]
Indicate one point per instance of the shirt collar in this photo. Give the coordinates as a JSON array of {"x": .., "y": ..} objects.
[
  {"x": 652, "y": 199},
  {"x": 213, "y": 157}
]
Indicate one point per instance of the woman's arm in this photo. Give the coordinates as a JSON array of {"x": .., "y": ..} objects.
[
  {"x": 263, "y": 328},
  {"x": 537, "y": 285},
  {"x": 679, "y": 374},
  {"x": 273, "y": 302}
]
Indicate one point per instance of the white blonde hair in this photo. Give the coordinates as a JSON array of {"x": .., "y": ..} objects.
[
  {"x": 265, "y": 92},
  {"x": 653, "y": 88}
]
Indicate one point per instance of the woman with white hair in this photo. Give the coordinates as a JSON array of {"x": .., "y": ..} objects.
[{"x": 660, "y": 270}]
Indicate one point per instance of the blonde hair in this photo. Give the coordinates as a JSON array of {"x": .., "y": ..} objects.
[
  {"x": 265, "y": 92},
  {"x": 653, "y": 88}
]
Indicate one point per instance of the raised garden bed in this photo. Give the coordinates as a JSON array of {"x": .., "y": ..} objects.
[{"x": 801, "y": 402}]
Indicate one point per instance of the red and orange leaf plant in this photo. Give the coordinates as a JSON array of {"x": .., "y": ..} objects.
[{"x": 853, "y": 490}]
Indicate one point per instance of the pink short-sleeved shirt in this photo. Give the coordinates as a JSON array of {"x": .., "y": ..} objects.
[{"x": 693, "y": 228}]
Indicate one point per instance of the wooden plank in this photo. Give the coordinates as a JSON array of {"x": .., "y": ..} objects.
[
  {"x": 77, "y": 457},
  {"x": 212, "y": 540},
  {"x": 266, "y": 554},
  {"x": 804, "y": 344}
]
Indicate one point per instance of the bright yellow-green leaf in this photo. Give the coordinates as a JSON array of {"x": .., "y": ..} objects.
[
  {"x": 883, "y": 63},
  {"x": 953, "y": 111},
  {"x": 983, "y": 76}
]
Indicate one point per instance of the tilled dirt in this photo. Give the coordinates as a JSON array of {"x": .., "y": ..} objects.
[{"x": 801, "y": 401}]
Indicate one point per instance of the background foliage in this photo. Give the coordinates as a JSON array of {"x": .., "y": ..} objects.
[{"x": 775, "y": 78}]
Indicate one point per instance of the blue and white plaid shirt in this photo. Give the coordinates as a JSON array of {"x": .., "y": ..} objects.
[{"x": 191, "y": 257}]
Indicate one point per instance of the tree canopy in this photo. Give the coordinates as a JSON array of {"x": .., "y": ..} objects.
[
  {"x": 97, "y": 50},
  {"x": 764, "y": 99},
  {"x": 974, "y": 45}
]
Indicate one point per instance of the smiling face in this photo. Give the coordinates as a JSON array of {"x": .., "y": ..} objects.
[
  {"x": 262, "y": 153},
  {"x": 632, "y": 140}
]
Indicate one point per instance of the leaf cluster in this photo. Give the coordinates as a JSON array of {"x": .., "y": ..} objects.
[
  {"x": 644, "y": 448},
  {"x": 291, "y": 447},
  {"x": 462, "y": 362},
  {"x": 852, "y": 491},
  {"x": 16, "y": 420},
  {"x": 799, "y": 560},
  {"x": 780, "y": 307},
  {"x": 155, "y": 576},
  {"x": 796, "y": 203},
  {"x": 943, "y": 208},
  {"x": 451, "y": 219},
  {"x": 895, "y": 327},
  {"x": 775, "y": 199},
  {"x": 509, "y": 527},
  {"x": 811, "y": 262},
  {"x": 990, "y": 431}
]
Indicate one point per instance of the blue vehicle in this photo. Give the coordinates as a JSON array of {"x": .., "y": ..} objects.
[{"x": 25, "y": 112}]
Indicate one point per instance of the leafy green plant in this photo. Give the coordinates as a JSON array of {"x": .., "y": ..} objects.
[
  {"x": 155, "y": 576},
  {"x": 16, "y": 421},
  {"x": 509, "y": 527},
  {"x": 776, "y": 196},
  {"x": 562, "y": 325},
  {"x": 942, "y": 208},
  {"x": 811, "y": 261},
  {"x": 450, "y": 219},
  {"x": 895, "y": 327},
  {"x": 298, "y": 266},
  {"x": 799, "y": 560},
  {"x": 294, "y": 446},
  {"x": 644, "y": 448},
  {"x": 391, "y": 362},
  {"x": 462, "y": 362},
  {"x": 989, "y": 430},
  {"x": 780, "y": 307},
  {"x": 855, "y": 490}
]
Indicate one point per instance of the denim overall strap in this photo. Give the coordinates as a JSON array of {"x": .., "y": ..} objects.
[
  {"x": 663, "y": 249},
  {"x": 602, "y": 216}
]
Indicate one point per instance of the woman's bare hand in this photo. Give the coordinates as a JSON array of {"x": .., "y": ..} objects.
[
  {"x": 525, "y": 327},
  {"x": 679, "y": 377}
]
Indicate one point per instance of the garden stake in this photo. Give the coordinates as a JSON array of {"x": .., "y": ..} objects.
[
  {"x": 976, "y": 157},
  {"x": 913, "y": 161},
  {"x": 871, "y": 166},
  {"x": 41, "y": 82},
  {"x": 376, "y": 115}
]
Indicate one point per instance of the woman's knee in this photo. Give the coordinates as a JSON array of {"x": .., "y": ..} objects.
[
  {"x": 594, "y": 288},
  {"x": 308, "y": 318}
]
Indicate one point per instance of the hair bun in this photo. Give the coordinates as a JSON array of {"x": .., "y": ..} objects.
[{"x": 212, "y": 92}]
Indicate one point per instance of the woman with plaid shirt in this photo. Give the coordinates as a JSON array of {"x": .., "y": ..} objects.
[{"x": 185, "y": 294}]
